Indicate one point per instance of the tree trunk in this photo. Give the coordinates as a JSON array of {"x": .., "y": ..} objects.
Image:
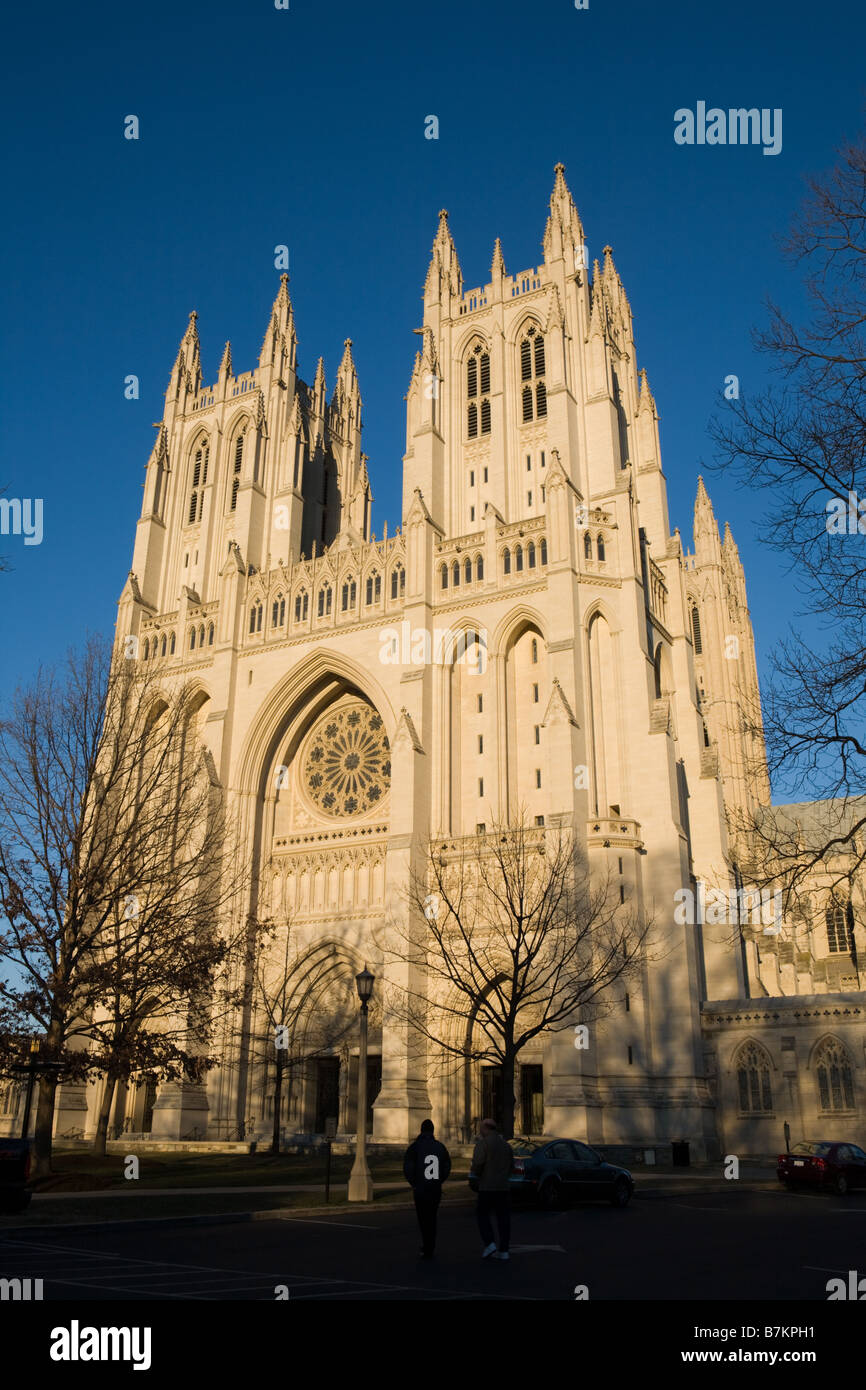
[
  {"x": 508, "y": 1070},
  {"x": 44, "y": 1128},
  {"x": 278, "y": 1095},
  {"x": 104, "y": 1114},
  {"x": 41, "y": 1164}
]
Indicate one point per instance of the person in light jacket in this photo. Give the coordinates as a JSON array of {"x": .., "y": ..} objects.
[{"x": 492, "y": 1165}]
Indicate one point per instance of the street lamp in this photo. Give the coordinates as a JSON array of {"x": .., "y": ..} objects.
[{"x": 361, "y": 1181}]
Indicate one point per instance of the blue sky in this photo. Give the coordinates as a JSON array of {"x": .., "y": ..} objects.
[{"x": 306, "y": 127}]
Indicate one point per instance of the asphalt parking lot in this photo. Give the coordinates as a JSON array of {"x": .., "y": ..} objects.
[{"x": 677, "y": 1242}]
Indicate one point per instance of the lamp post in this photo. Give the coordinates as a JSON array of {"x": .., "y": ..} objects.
[{"x": 361, "y": 1181}]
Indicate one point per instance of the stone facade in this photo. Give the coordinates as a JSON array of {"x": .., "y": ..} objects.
[{"x": 533, "y": 639}]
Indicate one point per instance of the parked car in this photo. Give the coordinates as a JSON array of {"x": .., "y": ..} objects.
[
  {"x": 14, "y": 1171},
  {"x": 554, "y": 1172},
  {"x": 839, "y": 1166}
]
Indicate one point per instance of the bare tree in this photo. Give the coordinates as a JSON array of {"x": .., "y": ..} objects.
[
  {"x": 802, "y": 442},
  {"x": 114, "y": 869},
  {"x": 294, "y": 1006},
  {"x": 513, "y": 938}
]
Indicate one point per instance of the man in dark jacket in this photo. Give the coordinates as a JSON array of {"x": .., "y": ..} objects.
[{"x": 426, "y": 1165}]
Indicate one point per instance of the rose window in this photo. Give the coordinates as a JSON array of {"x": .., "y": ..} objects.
[{"x": 347, "y": 766}]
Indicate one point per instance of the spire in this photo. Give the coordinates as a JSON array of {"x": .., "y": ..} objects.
[
  {"x": 318, "y": 394},
  {"x": 563, "y": 233},
  {"x": 729, "y": 546},
  {"x": 346, "y": 373},
  {"x": 444, "y": 269},
  {"x": 645, "y": 398},
  {"x": 226, "y": 364},
  {"x": 706, "y": 528},
  {"x": 596, "y": 317},
  {"x": 498, "y": 264},
  {"x": 280, "y": 340},
  {"x": 346, "y": 399},
  {"x": 187, "y": 364},
  {"x": 555, "y": 317}
]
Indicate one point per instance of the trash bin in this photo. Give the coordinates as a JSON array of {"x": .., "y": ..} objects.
[{"x": 680, "y": 1154}]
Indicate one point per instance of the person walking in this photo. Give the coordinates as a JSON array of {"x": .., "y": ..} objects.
[
  {"x": 426, "y": 1166},
  {"x": 492, "y": 1165}
]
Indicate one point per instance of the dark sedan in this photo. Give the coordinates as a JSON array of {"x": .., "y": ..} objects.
[
  {"x": 838, "y": 1166},
  {"x": 554, "y": 1172},
  {"x": 14, "y": 1172}
]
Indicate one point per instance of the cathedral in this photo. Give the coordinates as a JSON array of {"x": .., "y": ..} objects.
[{"x": 532, "y": 641}]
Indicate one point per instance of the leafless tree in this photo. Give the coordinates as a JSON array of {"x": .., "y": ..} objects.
[
  {"x": 513, "y": 937},
  {"x": 294, "y": 1007},
  {"x": 116, "y": 873},
  {"x": 802, "y": 442}
]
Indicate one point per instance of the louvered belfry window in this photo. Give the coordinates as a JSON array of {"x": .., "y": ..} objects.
[
  {"x": 478, "y": 391},
  {"x": 532, "y": 374}
]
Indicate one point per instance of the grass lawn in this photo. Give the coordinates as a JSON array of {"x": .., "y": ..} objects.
[
  {"x": 129, "y": 1207},
  {"x": 79, "y": 1171}
]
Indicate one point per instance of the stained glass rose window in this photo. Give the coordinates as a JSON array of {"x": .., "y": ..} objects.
[{"x": 347, "y": 765}]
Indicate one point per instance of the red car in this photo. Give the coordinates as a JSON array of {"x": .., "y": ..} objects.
[{"x": 837, "y": 1166}]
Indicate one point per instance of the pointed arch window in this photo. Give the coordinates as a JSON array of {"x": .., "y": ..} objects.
[
  {"x": 444, "y": 573},
  {"x": 754, "y": 1087},
  {"x": 192, "y": 639},
  {"x": 374, "y": 588},
  {"x": 256, "y": 618},
  {"x": 506, "y": 561},
  {"x": 467, "y": 570},
  {"x": 210, "y": 635},
  {"x": 479, "y": 568},
  {"x": 236, "y": 468},
  {"x": 398, "y": 581},
  {"x": 478, "y": 391},
  {"x": 543, "y": 548},
  {"x": 146, "y": 648},
  {"x": 587, "y": 546},
  {"x": 325, "y": 596},
  {"x": 455, "y": 575},
  {"x": 278, "y": 611},
  {"x": 599, "y": 548},
  {"x": 835, "y": 1079},
  {"x": 201, "y": 635},
  {"x": 302, "y": 605},
  {"x": 199, "y": 479},
  {"x": 530, "y": 555},
  {"x": 696, "y": 630},
  {"x": 532, "y": 374},
  {"x": 350, "y": 595},
  {"x": 840, "y": 927},
  {"x": 162, "y": 645},
  {"x": 518, "y": 558},
  {"x": 172, "y": 645}
]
